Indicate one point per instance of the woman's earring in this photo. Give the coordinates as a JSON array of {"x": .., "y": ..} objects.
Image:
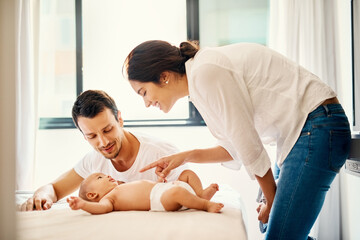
[{"x": 167, "y": 82}]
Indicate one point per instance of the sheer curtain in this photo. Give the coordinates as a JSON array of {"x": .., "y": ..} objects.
[
  {"x": 305, "y": 31},
  {"x": 25, "y": 96}
]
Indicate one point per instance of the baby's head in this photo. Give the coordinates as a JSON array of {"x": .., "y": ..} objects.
[{"x": 96, "y": 186}]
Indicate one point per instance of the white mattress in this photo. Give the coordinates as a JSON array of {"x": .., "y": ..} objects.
[{"x": 60, "y": 222}]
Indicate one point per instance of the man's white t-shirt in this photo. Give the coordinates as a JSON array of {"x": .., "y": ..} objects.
[{"x": 150, "y": 150}]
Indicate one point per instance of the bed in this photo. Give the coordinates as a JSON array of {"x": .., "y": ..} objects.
[{"x": 60, "y": 222}]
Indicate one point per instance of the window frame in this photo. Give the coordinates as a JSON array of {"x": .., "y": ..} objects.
[{"x": 194, "y": 119}]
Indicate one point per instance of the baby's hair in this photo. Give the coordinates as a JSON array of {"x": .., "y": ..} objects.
[{"x": 83, "y": 191}]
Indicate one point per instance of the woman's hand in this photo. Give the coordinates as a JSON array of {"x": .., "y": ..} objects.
[
  {"x": 264, "y": 212},
  {"x": 166, "y": 164},
  {"x": 268, "y": 187}
]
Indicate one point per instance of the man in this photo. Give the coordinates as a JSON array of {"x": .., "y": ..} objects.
[{"x": 117, "y": 152}]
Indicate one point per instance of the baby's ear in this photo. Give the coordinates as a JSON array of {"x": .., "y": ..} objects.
[{"x": 92, "y": 196}]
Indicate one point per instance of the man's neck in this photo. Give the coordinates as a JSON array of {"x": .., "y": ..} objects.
[{"x": 129, "y": 149}]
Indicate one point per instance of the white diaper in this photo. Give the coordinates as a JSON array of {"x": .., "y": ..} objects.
[{"x": 159, "y": 189}]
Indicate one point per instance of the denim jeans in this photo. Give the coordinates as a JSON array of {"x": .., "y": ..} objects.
[{"x": 307, "y": 172}]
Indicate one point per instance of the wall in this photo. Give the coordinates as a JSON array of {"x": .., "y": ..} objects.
[
  {"x": 349, "y": 184},
  {"x": 7, "y": 120}
]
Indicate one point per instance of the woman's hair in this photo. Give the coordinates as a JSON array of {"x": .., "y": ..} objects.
[
  {"x": 148, "y": 60},
  {"x": 90, "y": 103}
]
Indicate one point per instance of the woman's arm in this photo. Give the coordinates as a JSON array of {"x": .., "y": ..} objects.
[
  {"x": 268, "y": 187},
  {"x": 104, "y": 206},
  {"x": 209, "y": 155}
]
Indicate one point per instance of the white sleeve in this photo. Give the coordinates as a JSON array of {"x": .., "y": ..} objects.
[
  {"x": 175, "y": 173},
  {"x": 84, "y": 166},
  {"x": 227, "y": 99}
]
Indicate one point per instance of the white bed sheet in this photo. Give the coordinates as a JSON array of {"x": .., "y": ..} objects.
[{"x": 60, "y": 222}]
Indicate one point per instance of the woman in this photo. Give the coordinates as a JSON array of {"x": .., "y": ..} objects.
[{"x": 250, "y": 95}]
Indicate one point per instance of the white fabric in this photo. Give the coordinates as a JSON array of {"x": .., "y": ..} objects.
[
  {"x": 250, "y": 95},
  {"x": 64, "y": 223},
  {"x": 25, "y": 98},
  {"x": 160, "y": 188},
  {"x": 305, "y": 31},
  {"x": 151, "y": 149}
]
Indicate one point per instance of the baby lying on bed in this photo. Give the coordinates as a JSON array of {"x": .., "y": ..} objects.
[{"x": 104, "y": 194}]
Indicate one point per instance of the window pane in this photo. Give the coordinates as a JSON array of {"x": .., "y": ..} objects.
[
  {"x": 111, "y": 29},
  {"x": 232, "y": 21},
  {"x": 57, "y": 56}
]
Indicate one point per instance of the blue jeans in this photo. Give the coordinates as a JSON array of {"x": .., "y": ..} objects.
[{"x": 307, "y": 172}]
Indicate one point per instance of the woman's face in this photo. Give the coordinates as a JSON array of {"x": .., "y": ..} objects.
[{"x": 160, "y": 95}]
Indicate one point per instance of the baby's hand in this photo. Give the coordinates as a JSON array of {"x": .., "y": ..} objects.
[{"x": 75, "y": 203}]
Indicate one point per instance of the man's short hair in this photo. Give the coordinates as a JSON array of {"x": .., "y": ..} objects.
[{"x": 92, "y": 102}]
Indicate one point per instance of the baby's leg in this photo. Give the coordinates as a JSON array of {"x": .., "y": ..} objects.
[
  {"x": 176, "y": 197},
  {"x": 193, "y": 180}
]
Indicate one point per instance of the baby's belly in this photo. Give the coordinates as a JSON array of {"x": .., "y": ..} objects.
[{"x": 134, "y": 196}]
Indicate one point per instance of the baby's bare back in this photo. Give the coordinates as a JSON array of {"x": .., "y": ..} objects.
[{"x": 132, "y": 196}]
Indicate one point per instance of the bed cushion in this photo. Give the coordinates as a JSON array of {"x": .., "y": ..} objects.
[{"x": 60, "y": 222}]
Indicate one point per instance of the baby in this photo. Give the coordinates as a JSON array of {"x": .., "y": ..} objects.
[{"x": 104, "y": 194}]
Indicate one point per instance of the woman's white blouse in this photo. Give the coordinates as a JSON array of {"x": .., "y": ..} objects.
[{"x": 250, "y": 95}]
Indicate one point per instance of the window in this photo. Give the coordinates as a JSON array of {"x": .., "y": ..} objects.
[
  {"x": 111, "y": 29},
  {"x": 83, "y": 45},
  {"x": 57, "y": 58},
  {"x": 232, "y": 21},
  {"x": 106, "y": 31}
]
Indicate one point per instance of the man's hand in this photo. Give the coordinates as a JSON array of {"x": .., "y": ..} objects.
[
  {"x": 75, "y": 203},
  {"x": 37, "y": 202}
]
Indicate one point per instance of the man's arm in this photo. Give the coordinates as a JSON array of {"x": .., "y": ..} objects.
[
  {"x": 104, "y": 206},
  {"x": 46, "y": 195}
]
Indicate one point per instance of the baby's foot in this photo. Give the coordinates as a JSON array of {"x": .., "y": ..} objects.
[
  {"x": 210, "y": 191},
  {"x": 214, "y": 207}
]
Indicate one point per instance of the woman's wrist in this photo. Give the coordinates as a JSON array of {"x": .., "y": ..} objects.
[{"x": 191, "y": 156}]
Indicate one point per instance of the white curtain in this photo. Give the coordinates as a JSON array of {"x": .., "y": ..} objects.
[
  {"x": 305, "y": 31},
  {"x": 25, "y": 97}
]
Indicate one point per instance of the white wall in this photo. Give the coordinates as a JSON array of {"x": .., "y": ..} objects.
[
  {"x": 7, "y": 119},
  {"x": 349, "y": 184}
]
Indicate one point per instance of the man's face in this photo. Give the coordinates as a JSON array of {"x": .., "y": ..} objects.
[{"x": 103, "y": 133}]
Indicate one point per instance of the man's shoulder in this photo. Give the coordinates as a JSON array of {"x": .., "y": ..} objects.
[{"x": 152, "y": 143}]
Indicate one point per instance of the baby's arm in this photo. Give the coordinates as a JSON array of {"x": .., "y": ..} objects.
[{"x": 104, "y": 206}]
